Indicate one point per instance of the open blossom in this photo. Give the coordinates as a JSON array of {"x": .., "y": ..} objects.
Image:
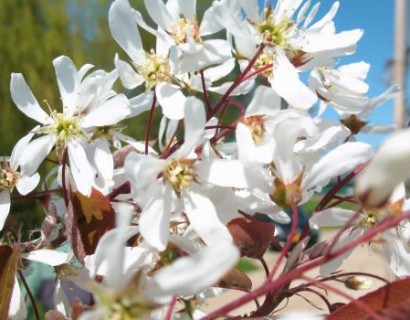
[
  {"x": 179, "y": 27},
  {"x": 166, "y": 188},
  {"x": 291, "y": 44},
  {"x": 386, "y": 170},
  {"x": 360, "y": 222},
  {"x": 285, "y": 177},
  {"x": 88, "y": 103},
  {"x": 345, "y": 90},
  {"x": 132, "y": 287},
  {"x": 12, "y": 177}
]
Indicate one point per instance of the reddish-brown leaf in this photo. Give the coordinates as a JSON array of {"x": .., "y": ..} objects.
[
  {"x": 9, "y": 257},
  {"x": 235, "y": 279},
  {"x": 388, "y": 299},
  {"x": 252, "y": 237},
  {"x": 92, "y": 217}
]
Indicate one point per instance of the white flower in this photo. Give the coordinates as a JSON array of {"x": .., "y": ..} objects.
[
  {"x": 11, "y": 176},
  {"x": 290, "y": 46},
  {"x": 127, "y": 290},
  {"x": 368, "y": 218},
  {"x": 345, "y": 89},
  {"x": 178, "y": 183},
  {"x": 88, "y": 103},
  {"x": 178, "y": 24},
  {"x": 285, "y": 176}
]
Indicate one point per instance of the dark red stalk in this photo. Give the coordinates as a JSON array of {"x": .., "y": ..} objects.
[
  {"x": 149, "y": 123},
  {"x": 205, "y": 90},
  {"x": 237, "y": 81},
  {"x": 297, "y": 272}
]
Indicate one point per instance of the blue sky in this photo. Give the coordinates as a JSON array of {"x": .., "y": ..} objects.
[{"x": 376, "y": 47}]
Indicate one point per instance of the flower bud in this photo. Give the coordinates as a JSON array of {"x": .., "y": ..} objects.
[{"x": 389, "y": 167}]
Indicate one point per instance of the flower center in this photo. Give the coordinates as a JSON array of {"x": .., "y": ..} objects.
[
  {"x": 122, "y": 310},
  {"x": 154, "y": 70},
  {"x": 272, "y": 32},
  {"x": 369, "y": 219},
  {"x": 65, "y": 129},
  {"x": 186, "y": 29},
  {"x": 8, "y": 177},
  {"x": 180, "y": 173},
  {"x": 256, "y": 126},
  {"x": 284, "y": 194}
]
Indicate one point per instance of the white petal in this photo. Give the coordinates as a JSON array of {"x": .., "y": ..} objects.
[
  {"x": 188, "y": 8},
  {"x": 26, "y": 184},
  {"x": 19, "y": 149},
  {"x": 124, "y": 29},
  {"x": 316, "y": 42},
  {"x": 311, "y": 15},
  {"x": 209, "y": 25},
  {"x": 50, "y": 257},
  {"x": 84, "y": 69},
  {"x": 34, "y": 154},
  {"x": 340, "y": 160},
  {"x": 130, "y": 79},
  {"x": 204, "y": 220},
  {"x": 285, "y": 81},
  {"x": 190, "y": 275},
  {"x": 220, "y": 71},
  {"x": 154, "y": 220},
  {"x": 159, "y": 13},
  {"x": 194, "y": 123},
  {"x": 103, "y": 159},
  {"x": 141, "y": 103},
  {"x": 4, "y": 207},
  {"x": 68, "y": 83},
  {"x": 83, "y": 173},
  {"x": 171, "y": 100},
  {"x": 326, "y": 19},
  {"x": 223, "y": 173},
  {"x": 142, "y": 170},
  {"x": 265, "y": 101},
  {"x": 109, "y": 113},
  {"x": 332, "y": 217},
  {"x": 211, "y": 52},
  {"x": 17, "y": 309},
  {"x": 25, "y": 100},
  {"x": 105, "y": 246}
]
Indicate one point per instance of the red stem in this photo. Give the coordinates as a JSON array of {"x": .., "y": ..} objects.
[
  {"x": 149, "y": 123},
  {"x": 297, "y": 272},
  {"x": 63, "y": 181},
  {"x": 204, "y": 89},
  {"x": 329, "y": 196},
  {"x": 257, "y": 71},
  {"x": 289, "y": 240},
  {"x": 353, "y": 300},
  {"x": 237, "y": 81},
  {"x": 171, "y": 307}
]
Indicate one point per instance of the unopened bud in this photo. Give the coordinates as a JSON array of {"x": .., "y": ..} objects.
[
  {"x": 389, "y": 167},
  {"x": 358, "y": 283}
]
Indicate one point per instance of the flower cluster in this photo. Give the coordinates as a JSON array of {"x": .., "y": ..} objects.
[{"x": 155, "y": 226}]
